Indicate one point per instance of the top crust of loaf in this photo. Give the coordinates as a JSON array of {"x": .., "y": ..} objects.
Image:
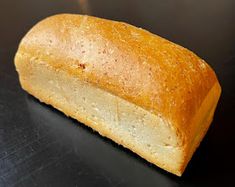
[{"x": 130, "y": 62}]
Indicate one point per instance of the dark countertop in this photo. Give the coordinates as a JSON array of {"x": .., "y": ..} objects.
[{"x": 40, "y": 146}]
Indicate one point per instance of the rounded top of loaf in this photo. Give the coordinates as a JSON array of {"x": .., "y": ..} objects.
[{"x": 132, "y": 63}]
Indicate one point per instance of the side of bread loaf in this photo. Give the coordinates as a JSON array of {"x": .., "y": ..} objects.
[{"x": 146, "y": 93}]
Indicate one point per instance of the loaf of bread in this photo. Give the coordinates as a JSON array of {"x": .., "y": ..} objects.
[{"x": 144, "y": 92}]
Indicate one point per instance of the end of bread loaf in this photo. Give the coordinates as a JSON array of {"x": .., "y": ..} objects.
[{"x": 138, "y": 89}]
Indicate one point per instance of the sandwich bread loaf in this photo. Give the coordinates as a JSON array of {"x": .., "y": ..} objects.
[{"x": 144, "y": 92}]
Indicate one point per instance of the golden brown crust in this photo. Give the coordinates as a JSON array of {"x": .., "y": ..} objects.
[
  {"x": 200, "y": 123},
  {"x": 129, "y": 62}
]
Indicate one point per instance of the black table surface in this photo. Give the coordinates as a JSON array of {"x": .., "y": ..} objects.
[{"x": 40, "y": 146}]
